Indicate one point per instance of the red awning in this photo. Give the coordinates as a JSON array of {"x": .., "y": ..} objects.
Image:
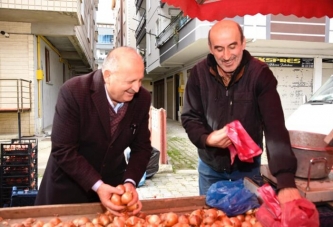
[{"x": 212, "y": 10}]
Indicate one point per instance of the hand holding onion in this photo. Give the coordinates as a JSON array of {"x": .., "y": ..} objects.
[
  {"x": 124, "y": 199},
  {"x": 109, "y": 196},
  {"x": 131, "y": 199}
]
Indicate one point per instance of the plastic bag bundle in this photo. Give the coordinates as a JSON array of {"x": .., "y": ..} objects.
[
  {"x": 300, "y": 212},
  {"x": 232, "y": 197},
  {"x": 242, "y": 144}
]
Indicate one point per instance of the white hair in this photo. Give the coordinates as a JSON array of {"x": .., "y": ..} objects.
[{"x": 111, "y": 62}]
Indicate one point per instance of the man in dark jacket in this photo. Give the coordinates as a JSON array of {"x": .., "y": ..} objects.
[
  {"x": 99, "y": 115},
  {"x": 232, "y": 85}
]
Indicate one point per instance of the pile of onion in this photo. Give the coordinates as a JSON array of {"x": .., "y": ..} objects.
[{"x": 205, "y": 217}]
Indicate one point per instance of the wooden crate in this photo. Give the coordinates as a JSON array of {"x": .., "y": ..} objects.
[{"x": 68, "y": 212}]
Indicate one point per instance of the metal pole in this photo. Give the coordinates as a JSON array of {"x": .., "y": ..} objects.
[{"x": 19, "y": 125}]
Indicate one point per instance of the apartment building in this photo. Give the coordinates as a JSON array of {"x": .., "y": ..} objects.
[
  {"x": 105, "y": 20},
  {"x": 298, "y": 50},
  {"x": 42, "y": 44},
  {"x": 126, "y": 26}
]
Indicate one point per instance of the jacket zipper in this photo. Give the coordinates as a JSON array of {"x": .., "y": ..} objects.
[{"x": 230, "y": 103}]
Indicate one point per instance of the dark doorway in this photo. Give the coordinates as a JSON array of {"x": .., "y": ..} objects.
[{"x": 159, "y": 94}]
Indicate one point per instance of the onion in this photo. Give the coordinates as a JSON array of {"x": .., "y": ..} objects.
[
  {"x": 246, "y": 224},
  {"x": 181, "y": 225},
  {"x": 126, "y": 197},
  {"x": 240, "y": 217},
  {"x": 198, "y": 212},
  {"x": 121, "y": 187},
  {"x": 253, "y": 220},
  {"x": 171, "y": 219},
  {"x": 257, "y": 224},
  {"x": 235, "y": 221},
  {"x": 82, "y": 221},
  {"x": 118, "y": 222},
  {"x": 68, "y": 224},
  {"x": 141, "y": 215},
  {"x": 212, "y": 212},
  {"x": 195, "y": 220},
  {"x": 133, "y": 207},
  {"x": 116, "y": 199},
  {"x": 183, "y": 218},
  {"x": 153, "y": 219},
  {"x": 226, "y": 221},
  {"x": 38, "y": 223},
  {"x": 55, "y": 221},
  {"x": 45, "y": 225},
  {"x": 217, "y": 224},
  {"x": 17, "y": 225},
  {"x": 251, "y": 211},
  {"x": 208, "y": 220},
  {"x": 132, "y": 221},
  {"x": 103, "y": 219}
]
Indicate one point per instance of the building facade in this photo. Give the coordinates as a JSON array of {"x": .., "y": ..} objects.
[
  {"x": 298, "y": 50},
  {"x": 42, "y": 44}
]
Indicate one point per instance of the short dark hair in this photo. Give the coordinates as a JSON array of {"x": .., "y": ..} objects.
[{"x": 240, "y": 32}]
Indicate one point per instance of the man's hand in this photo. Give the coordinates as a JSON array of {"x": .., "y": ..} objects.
[
  {"x": 135, "y": 201},
  {"x": 219, "y": 138},
  {"x": 288, "y": 194},
  {"x": 105, "y": 192}
]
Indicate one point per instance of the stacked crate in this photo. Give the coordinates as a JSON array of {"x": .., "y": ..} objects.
[{"x": 18, "y": 168}]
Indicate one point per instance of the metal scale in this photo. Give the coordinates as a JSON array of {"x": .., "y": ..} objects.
[{"x": 315, "y": 190}]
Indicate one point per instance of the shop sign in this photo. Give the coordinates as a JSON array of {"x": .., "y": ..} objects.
[{"x": 287, "y": 62}]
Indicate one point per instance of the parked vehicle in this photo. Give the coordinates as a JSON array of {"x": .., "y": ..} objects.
[{"x": 316, "y": 115}]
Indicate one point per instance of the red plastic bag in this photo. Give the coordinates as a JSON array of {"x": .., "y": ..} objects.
[
  {"x": 242, "y": 144},
  {"x": 299, "y": 212}
]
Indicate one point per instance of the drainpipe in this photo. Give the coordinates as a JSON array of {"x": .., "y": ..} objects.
[{"x": 40, "y": 77}]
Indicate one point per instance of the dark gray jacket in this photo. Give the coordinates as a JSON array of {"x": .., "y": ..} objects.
[{"x": 252, "y": 98}]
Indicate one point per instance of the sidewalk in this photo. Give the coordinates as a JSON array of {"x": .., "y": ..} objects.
[{"x": 179, "y": 178}]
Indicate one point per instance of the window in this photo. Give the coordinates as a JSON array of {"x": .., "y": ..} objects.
[
  {"x": 47, "y": 66},
  {"x": 106, "y": 39}
]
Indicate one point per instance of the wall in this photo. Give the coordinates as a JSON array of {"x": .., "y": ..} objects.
[
  {"x": 17, "y": 62},
  {"x": 50, "y": 89}
]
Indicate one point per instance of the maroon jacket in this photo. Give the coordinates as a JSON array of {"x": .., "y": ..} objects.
[{"x": 83, "y": 150}]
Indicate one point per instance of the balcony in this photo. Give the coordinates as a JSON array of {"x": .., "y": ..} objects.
[
  {"x": 172, "y": 30},
  {"x": 60, "y": 22},
  {"x": 63, "y": 12},
  {"x": 138, "y": 4},
  {"x": 140, "y": 31}
]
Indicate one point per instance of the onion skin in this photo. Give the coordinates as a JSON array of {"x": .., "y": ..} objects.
[
  {"x": 212, "y": 212},
  {"x": 246, "y": 224},
  {"x": 171, "y": 219},
  {"x": 183, "y": 218},
  {"x": 116, "y": 199},
  {"x": 126, "y": 198},
  {"x": 118, "y": 222},
  {"x": 235, "y": 221},
  {"x": 208, "y": 220},
  {"x": 195, "y": 220},
  {"x": 153, "y": 219},
  {"x": 121, "y": 187},
  {"x": 133, "y": 207}
]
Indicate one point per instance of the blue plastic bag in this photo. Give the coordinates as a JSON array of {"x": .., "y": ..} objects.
[{"x": 232, "y": 197}]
